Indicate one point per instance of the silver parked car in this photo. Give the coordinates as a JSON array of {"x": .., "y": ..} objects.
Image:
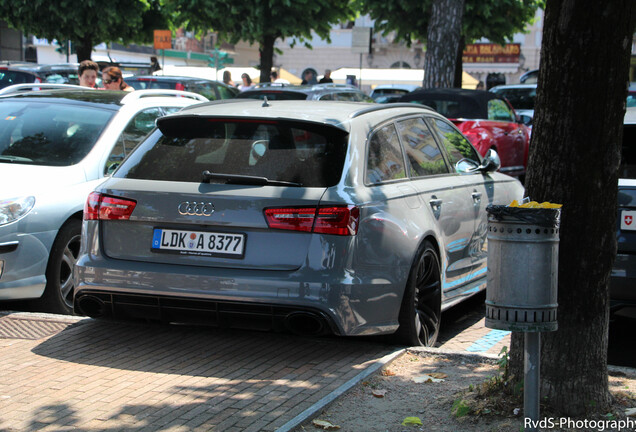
[
  {"x": 56, "y": 146},
  {"x": 340, "y": 217}
]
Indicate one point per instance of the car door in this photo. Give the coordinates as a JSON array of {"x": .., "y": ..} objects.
[
  {"x": 446, "y": 199},
  {"x": 511, "y": 137},
  {"x": 480, "y": 190}
]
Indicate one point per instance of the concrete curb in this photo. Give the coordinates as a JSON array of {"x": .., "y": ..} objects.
[{"x": 316, "y": 407}]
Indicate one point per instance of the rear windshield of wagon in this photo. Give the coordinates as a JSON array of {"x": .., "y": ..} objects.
[{"x": 309, "y": 155}]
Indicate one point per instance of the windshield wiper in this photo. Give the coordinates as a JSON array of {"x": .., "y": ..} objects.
[
  {"x": 8, "y": 158},
  {"x": 245, "y": 179}
]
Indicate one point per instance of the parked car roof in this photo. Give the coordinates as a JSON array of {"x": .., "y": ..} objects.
[
  {"x": 472, "y": 103},
  {"x": 275, "y": 91},
  {"x": 211, "y": 89}
]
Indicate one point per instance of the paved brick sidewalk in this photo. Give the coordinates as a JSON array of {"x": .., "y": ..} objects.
[{"x": 62, "y": 374}]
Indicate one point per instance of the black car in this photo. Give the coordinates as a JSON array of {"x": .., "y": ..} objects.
[
  {"x": 213, "y": 90},
  {"x": 331, "y": 92},
  {"x": 623, "y": 278},
  {"x": 24, "y": 73}
]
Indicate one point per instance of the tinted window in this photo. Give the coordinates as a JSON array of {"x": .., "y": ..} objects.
[
  {"x": 285, "y": 151},
  {"x": 499, "y": 110},
  {"x": 384, "y": 161},
  {"x": 227, "y": 93},
  {"x": 137, "y": 128},
  {"x": 203, "y": 88},
  {"x": 49, "y": 133},
  {"x": 520, "y": 98},
  {"x": 457, "y": 147},
  {"x": 8, "y": 78},
  {"x": 422, "y": 152},
  {"x": 628, "y": 156}
]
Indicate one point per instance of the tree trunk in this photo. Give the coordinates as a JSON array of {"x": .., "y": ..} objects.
[
  {"x": 266, "y": 51},
  {"x": 459, "y": 63},
  {"x": 574, "y": 159},
  {"x": 84, "y": 48},
  {"x": 444, "y": 31}
]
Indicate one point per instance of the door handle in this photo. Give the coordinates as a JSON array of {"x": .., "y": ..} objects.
[
  {"x": 476, "y": 196},
  {"x": 436, "y": 205}
]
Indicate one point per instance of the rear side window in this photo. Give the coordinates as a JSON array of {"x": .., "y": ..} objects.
[
  {"x": 8, "y": 78},
  {"x": 306, "y": 154},
  {"x": 457, "y": 146},
  {"x": 54, "y": 134},
  {"x": 499, "y": 110},
  {"x": 226, "y": 93},
  {"x": 628, "y": 156},
  {"x": 384, "y": 160},
  {"x": 422, "y": 152}
]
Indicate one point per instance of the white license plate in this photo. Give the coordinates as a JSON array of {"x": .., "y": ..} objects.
[
  {"x": 200, "y": 243},
  {"x": 628, "y": 220}
]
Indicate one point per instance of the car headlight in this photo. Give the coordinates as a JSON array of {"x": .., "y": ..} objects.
[{"x": 14, "y": 209}]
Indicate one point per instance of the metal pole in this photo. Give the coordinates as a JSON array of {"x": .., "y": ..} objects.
[
  {"x": 360, "y": 80},
  {"x": 531, "y": 371}
]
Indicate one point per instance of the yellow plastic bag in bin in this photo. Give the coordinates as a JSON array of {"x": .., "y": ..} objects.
[{"x": 534, "y": 204}]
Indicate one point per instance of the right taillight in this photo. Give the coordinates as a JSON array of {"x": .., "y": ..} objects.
[
  {"x": 104, "y": 207},
  {"x": 336, "y": 220}
]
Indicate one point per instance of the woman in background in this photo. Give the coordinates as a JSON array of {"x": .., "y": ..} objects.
[{"x": 112, "y": 79}]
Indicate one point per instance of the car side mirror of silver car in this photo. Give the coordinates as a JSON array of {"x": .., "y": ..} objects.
[{"x": 491, "y": 162}]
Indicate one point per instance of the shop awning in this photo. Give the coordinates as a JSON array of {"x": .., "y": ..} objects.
[{"x": 486, "y": 68}]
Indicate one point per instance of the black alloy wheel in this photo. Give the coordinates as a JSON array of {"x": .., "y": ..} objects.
[
  {"x": 60, "y": 288},
  {"x": 420, "y": 314}
]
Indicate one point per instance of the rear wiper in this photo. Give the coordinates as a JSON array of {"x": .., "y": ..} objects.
[
  {"x": 244, "y": 179},
  {"x": 7, "y": 158}
]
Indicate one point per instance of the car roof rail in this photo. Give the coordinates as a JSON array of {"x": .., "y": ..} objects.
[
  {"x": 21, "y": 88},
  {"x": 138, "y": 94},
  {"x": 378, "y": 107}
]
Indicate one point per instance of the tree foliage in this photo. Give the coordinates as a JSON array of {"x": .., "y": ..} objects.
[
  {"x": 86, "y": 23},
  {"x": 497, "y": 20},
  {"x": 262, "y": 21}
]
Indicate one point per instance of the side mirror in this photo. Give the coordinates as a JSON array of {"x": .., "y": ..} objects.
[{"x": 491, "y": 162}]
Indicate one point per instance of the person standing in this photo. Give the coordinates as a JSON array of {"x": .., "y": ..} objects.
[
  {"x": 87, "y": 73},
  {"x": 227, "y": 78},
  {"x": 113, "y": 79},
  {"x": 154, "y": 64},
  {"x": 326, "y": 78},
  {"x": 247, "y": 83}
]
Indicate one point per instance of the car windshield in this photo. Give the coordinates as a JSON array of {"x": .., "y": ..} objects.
[
  {"x": 280, "y": 151},
  {"x": 44, "y": 133},
  {"x": 520, "y": 98}
]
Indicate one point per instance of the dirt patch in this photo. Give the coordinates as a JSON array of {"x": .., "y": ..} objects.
[{"x": 383, "y": 401}]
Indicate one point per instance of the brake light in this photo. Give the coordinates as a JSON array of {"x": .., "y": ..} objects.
[
  {"x": 104, "y": 207},
  {"x": 337, "y": 220}
]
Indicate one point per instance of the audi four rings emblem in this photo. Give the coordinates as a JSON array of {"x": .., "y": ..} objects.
[{"x": 193, "y": 208}]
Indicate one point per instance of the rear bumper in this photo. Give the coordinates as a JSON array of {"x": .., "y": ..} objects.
[{"x": 349, "y": 304}]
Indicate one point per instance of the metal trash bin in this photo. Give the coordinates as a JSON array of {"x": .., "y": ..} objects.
[{"x": 523, "y": 255}]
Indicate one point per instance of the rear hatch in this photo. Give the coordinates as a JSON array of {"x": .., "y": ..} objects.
[{"x": 223, "y": 192}]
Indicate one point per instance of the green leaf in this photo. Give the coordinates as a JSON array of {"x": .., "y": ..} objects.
[{"x": 412, "y": 421}]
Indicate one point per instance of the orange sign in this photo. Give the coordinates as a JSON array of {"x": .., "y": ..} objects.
[
  {"x": 491, "y": 53},
  {"x": 163, "y": 39}
]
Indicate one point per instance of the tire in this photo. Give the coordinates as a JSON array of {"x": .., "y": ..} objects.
[
  {"x": 58, "y": 294},
  {"x": 420, "y": 313}
]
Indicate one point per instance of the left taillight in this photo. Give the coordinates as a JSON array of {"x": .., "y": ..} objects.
[
  {"x": 336, "y": 220},
  {"x": 104, "y": 207}
]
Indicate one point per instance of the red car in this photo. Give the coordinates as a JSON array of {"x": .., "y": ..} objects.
[{"x": 486, "y": 119}]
